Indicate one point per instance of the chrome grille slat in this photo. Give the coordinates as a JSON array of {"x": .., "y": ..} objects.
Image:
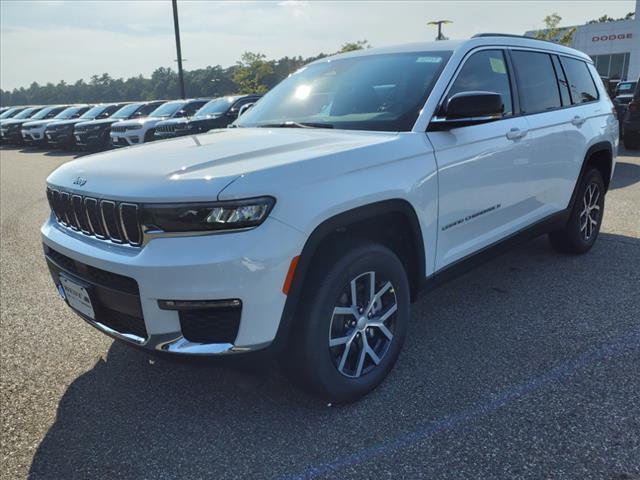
[
  {"x": 100, "y": 218},
  {"x": 110, "y": 220}
]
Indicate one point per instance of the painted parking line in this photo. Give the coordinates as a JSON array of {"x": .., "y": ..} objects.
[{"x": 477, "y": 410}]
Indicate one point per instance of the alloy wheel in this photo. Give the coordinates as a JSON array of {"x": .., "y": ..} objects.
[
  {"x": 362, "y": 325},
  {"x": 590, "y": 213}
]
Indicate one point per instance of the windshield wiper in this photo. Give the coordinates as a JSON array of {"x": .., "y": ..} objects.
[{"x": 295, "y": 125}]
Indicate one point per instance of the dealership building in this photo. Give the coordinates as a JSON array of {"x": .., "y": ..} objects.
[{"x": 613, "y": 46}]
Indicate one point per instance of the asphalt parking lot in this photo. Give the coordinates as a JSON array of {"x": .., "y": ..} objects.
[{"x": 527, "y": 367}]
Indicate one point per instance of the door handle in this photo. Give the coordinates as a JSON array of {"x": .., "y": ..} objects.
[
  {"x": 577, "y": 121},
  {"x": 516, "y": 133}
]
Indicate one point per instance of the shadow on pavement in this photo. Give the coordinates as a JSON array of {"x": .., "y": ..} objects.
[
  {"x": 626, "y": 174},
  {"x": 133, "y": 417}
]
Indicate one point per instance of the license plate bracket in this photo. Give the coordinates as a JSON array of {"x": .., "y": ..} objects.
[{"x": 77, "y": 296}]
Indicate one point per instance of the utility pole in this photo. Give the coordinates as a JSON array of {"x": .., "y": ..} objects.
[
  {"x": 439, "y": 23},
  {"x": 179, "y": 50}
]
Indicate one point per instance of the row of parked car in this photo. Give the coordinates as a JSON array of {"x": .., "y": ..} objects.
[
  {"x": 102, "y": 126},
  {"x": 626, "y": 100}
]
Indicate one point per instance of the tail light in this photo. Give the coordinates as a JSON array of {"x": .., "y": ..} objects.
[{"x": 634, "y": 106}]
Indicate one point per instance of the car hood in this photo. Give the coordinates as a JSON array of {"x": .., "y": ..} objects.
[
  {"x": 199, "y": 167},
  {"x": 72, "y": 121},
  {"x": 102, "y": 121},
  {"x": 40, "y": 123},
  {"x": 10, "y": 122},
  {"x": 141, "y": 121}
]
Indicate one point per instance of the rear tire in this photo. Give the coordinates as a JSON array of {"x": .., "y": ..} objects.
[
  {"x": 343, "y": 347},
  {"x": 583, "y": 226}
]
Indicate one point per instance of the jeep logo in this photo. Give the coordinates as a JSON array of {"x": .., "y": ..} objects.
[{"x": 80, "y": 181}]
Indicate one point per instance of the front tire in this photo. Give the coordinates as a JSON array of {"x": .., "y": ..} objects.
[
  {"x": 583, "y": 226},
  {"x": 352, "y": 324}
]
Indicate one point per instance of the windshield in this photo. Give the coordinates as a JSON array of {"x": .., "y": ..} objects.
[
  {"x": 127, "y": 110},
  {"x": 70, "y": 112},
  {"x": 167, "y": 109},
  {"x": 44, "y": 113},
  {"x": 26, "y": 113},
  {"x": 93, "y": 112},
  {"x": 8, "y": 113},
  {"x": 372, "y": 92},
  {"x": 215, "y": 107}
]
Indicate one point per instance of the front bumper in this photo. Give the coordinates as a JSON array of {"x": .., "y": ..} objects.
[
  {"x": 62, "y": 138},
  {"x": 33, "y": 135},
  {"x": 250, "y": 266},
  {"x": 12, "y": 136},
  {"x": 126, "y": 139},
  {"x": 91, "y": 140},
  {"x": 159, "y": 135}
]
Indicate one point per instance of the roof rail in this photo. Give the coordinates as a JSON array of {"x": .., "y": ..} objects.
[{"x": 480, "y": 35}]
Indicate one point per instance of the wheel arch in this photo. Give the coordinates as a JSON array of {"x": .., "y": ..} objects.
[
  {"x": 397, "y": 216},
  {"x": 599, "y": 155}
]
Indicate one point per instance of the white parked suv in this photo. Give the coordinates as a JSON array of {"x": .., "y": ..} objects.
[
  {"x": 357, "y": 183},
  {"x": 141, "y": 130}
]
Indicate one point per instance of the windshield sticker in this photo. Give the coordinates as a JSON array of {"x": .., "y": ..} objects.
[{"x": 428, "y": 59}]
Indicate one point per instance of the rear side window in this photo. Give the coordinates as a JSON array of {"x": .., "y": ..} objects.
[
  {"x": 583, "y": 89},
  {"x": 485, "y": 71},
  {"x": 537, "y": 84}
]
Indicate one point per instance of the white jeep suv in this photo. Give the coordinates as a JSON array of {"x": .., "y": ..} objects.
[
  {"x": 140, "y": 130},
  {"x": 357, "y": 183}
]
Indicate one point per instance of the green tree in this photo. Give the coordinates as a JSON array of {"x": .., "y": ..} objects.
[
  {"x": 554, "y": 33},
  {"x": 352, "y": 46},
  {"x": 253, "y": 74}
]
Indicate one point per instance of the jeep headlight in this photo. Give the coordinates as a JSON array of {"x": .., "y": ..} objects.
[{"x": 194, "y": 217}]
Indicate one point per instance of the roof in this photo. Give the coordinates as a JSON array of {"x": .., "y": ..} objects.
[{"x": 501, "y": 40}]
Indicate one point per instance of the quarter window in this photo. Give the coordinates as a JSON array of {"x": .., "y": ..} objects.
[
  {"x": 485, "y": 71},
  {"x": 537, "y": 83},
  {"x": 583, "y": 89}
]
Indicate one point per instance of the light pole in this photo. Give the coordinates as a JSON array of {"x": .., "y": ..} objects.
[
  {"x": 179, "y": 50},
  {"x": 439, "y": 23}
]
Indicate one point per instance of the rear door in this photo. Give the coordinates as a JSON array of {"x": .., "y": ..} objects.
[
  {"x": 483, "y": 177},
  {"x": 555, "y": 130}
]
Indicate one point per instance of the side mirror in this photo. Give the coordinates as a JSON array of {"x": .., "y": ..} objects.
[
  {"x": 243, "y": 109},
  {"x": 180, "y": 113},
  {"x": 469, "y": 108},
  {"x": 474, "y": 104}
]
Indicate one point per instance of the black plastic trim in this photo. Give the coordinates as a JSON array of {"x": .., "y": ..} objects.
[{"x": 325, "y": 229}]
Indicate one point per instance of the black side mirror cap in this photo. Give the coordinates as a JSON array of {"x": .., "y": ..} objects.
[
  {"x": 473, "y": 104},
  {"x": 468, "y": 108}
]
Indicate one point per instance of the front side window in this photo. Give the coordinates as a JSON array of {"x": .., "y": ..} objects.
[
  {"x": 485, "y": 71},
  {"x": 537, "y": 81},
  {"x": 582, "y": 87},
  {"x": 366, "y": 92}
]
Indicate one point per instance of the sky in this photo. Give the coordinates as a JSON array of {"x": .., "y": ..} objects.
[{"x": 49, "y": 41}]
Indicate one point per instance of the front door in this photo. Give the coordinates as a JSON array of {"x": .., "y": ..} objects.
[{"x": 483, "y": 187}]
